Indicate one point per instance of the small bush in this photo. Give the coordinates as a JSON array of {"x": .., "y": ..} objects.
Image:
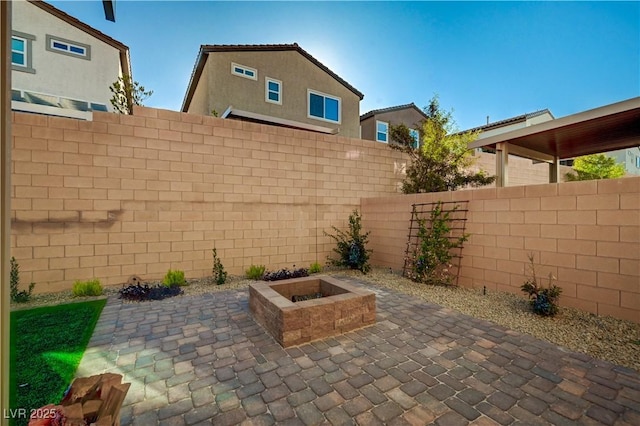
[
  {"x": 315, "y": 268},
  {"x": 285, "y": 274},
  {"x": 174, "y": 278},
  {"x": 139, "y": 293},
  {"x": 18, "y": 296},
  {"x": 219, "y": 274},
  {"x": 255, "y": 272},
  {"x": 351, "y": 247},
  {"x": 87, "y": 288},
  {"x": 544, "y": 301}
]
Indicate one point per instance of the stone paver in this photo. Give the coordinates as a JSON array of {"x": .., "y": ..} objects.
[{"x": 203, "y": 360}]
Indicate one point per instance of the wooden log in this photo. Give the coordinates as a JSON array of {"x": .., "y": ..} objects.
[
  {"x": 73, "y": 411},
  {"x": 106, "y": 383},
  {"x": 103, "y": 421},
  {"x": 80, "y": 388},
  {"x": 113, "y": 403},
  {"x": 90, "y": 409}
]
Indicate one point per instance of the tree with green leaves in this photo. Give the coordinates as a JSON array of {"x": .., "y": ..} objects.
[
  {"x": 442, "y": 160},
  {"x": 127, "y": 93},
  {"x": 595, "y": 166}
]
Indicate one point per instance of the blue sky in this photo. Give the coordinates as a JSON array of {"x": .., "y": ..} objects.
[{"x": 497, "y": 59}]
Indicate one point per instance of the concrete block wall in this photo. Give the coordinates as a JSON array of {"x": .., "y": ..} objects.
[
  {"x": 140, "y": 194},
  {"x": 587, "y": 234}
]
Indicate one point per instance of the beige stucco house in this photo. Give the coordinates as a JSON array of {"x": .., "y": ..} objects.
[
  {"x": 60, "y": 65},
  {"x": 278, "y": 84},
  {"x": 374, "y": 125},
  {"x": 513, "y": 123}
]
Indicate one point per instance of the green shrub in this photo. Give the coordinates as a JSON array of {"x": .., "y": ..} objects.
[
  {"x": 255, "y": 272},
  {"x": 219, "y": 274},
  {"x": 351, "y": 245},
  {"x": 544, "y": 301},
  {"x": 174, "y": 278},
  {"x": 315, "y": 268},
  {"x": 431, "y": 261},
  {"x": 18, "y": 296},
  {"x": 87, "y": 288}
]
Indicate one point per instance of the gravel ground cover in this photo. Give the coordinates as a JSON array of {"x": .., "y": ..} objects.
[{"x": 603, "y": 337}]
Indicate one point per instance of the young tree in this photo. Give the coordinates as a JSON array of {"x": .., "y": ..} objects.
[
  {"x": 127, "y": 93},
  {"x": 442, "y": 160},
  {"x": 595, "y": 166}
]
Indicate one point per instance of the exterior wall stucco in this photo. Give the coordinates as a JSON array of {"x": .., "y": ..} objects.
[
  {"x": 297, "y": 75},
  {"x": 59, "y": 74},
  {"x": 587, "y": 234},
  {"x": 408, "y": 116},
  {"x": 514, "y": 126}
]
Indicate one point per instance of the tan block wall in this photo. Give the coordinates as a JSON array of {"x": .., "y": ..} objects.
[
  {"x": 140, "y": 194},
  {"x": 587, "y": 234}
]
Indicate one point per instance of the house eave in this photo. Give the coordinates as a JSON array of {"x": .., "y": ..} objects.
[{"x": 233, "y": 112}]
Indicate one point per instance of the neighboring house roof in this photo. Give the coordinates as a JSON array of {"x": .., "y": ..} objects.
[
  {"x": 205, "y": 49},
  {"x": 391, "y": 109},
  {"x": 124, "y": 50},
  {"x": 601, "y": 129},
  {"x": 516, "y": 119}
]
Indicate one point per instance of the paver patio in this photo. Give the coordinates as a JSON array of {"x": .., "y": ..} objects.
[{"x": 203, "y": 360}]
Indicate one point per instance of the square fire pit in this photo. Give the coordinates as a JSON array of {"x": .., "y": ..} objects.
[{"x": 341, "y": 308}]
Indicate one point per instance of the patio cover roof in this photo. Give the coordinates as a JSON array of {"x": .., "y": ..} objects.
[{"x": 607, "y": 128}]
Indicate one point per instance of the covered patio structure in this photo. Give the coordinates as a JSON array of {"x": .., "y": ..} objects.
[{"x": 607, "y": 128}]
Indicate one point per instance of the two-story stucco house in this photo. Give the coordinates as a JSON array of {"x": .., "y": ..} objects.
[
  {"x": 374, "y": 125},
  {"x": 279, "y": 84},
  {"x": 60, "y": 65}
]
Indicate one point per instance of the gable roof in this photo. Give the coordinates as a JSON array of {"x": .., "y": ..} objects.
[
  {"x": 124, "y": 50},
  {"x": 391, "y": 109},
  {"x": 507, "y": 121},
  {"x": 205, "y": 49}
]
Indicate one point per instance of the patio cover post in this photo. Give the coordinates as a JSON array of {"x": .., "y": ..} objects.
[
  {"x": 5, "y": 195},
  {"x": 554, "y": 170},
  {"x": 502, "y": 163}
]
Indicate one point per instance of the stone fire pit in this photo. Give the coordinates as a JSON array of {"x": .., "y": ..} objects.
[{"x": 341, "y": 308}]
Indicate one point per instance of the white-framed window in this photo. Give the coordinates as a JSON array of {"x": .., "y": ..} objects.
[
  {"x": 273, "y": 90},
  {"x": 321, "y": 106},
  {"x": 415, "y": 135},
  {"x": 638, "y": 162},
  {"x": 244, "y": 71},
  {"x": 68, "y": 47},
  {"x": 382, "y": 131},
  {"x": 21, "y": 52}
]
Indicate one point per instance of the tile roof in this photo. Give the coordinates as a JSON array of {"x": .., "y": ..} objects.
[
  {"x": 205, "y": 49},
  {"x": 391, "y": 109},
  {"x": 511, "y": 120}
]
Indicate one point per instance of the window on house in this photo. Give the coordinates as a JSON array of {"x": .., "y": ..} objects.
[
  {"x": 416, "y": 137},
  {"x": 21, "y": 52},
  {"x": 323, "y": 107},
  {"x": 273, "y": 91},
  {"x": 244, "y": 71},
  {"x": 68, "y": 47},
  {"x": 382, "y": 131},
  {"x": 638, "y": 162}
]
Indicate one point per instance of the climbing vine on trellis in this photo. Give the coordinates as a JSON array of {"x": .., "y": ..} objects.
[{"x": 436, "y": 238}]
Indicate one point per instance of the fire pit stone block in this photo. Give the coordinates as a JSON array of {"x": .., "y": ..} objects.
[{"x": 342, "y": 308}]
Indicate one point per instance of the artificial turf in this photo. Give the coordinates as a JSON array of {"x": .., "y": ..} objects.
[{"x": 47, "y": 345}]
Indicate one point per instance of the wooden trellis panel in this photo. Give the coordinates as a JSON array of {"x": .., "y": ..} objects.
[{"x": 458, "y": 219}]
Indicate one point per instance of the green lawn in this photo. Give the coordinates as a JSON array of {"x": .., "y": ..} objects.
[{"x": 47, "y": 345}]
